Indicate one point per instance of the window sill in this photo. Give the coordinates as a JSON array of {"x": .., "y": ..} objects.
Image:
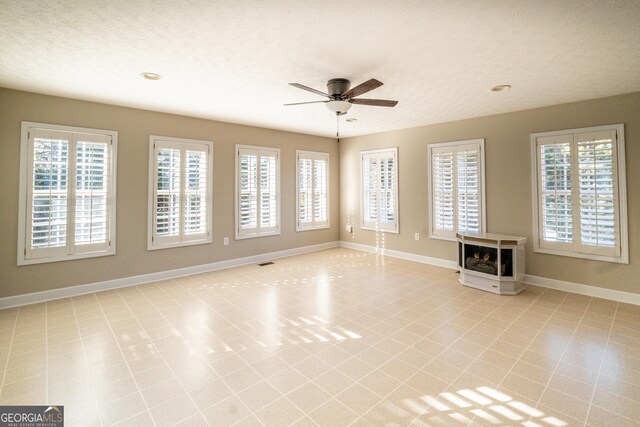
[
  {"x": 30, "y": 261},
  {"x": 253, "y": 236},
  {"x": 157, "y": 246},
  {"x": 314, "y": 227},
  {"x": 624, "y": 259}
]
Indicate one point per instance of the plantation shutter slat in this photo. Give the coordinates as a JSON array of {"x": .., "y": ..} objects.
[
  {"x": 69, "y": 192},
  {"x": 258, "y": 192},
  {"x": 456, "y": 189},
  {"x": 312, "y": 190},
  {"x": 181, "y": 193},
  {"x": 379, "y": 190},
  {"x": 168, "y": 193},
  {"x": 578, "y": 199},
  {"x": 196, "y": 203},
  {"x": 598, "y": 200},
  {"x": 92, "y": 193}
]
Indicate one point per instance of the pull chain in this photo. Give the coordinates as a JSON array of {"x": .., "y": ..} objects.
[{"x": 338, "y": 127}]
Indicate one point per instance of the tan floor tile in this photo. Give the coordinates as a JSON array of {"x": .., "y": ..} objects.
[
  {"x": 308, "y": 397},
  {"x": 355, "y": 368},
  {"x": 358, "y": 398},
  {"x": 602, "y": 417},
  {"x": 226, "y": 412},
  {"x": 380, "y": 383},
  {"x": 617, "y": 404},
  {"x": 23, "y": 387},
  {"x": 571, "y": 386},
  {"x": 210, "y": 394},
  {"x": 387, "y": 412},
  {"x": 196, "y": 420},
  {"x": 523, "y": 386},
  {"x": 333, "y": 413},
  {"x": 399, "y": 370},
  {"x": 281, "y": 412},
  {"x": 312, "y": 367},
  {"x": 408, "y": 331},
  {"x": 121, "y": 408},
  {"x": 259, "y": 395},
  {"x": 287, "y": 380},
  {"x": 173, "y": 411},
  {"x": 619, "y": 387},
  {"x": 565, "y": 404},
  {"x": 442, "y": 370}
]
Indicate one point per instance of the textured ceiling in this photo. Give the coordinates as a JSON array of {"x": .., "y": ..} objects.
[{"x": 232, "y": 60}]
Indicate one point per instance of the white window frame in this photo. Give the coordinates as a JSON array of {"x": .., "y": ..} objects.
[
  {"x": 153, "y": 241},
  {"x": 257, "y": 232},
  {"x": 566, "y": 249},
  {"x": 26, "y": 163},
  {"x": 311, "y": 155},
  {"x": 451, "y": 234},
  {"x": 377, "y": 226}
]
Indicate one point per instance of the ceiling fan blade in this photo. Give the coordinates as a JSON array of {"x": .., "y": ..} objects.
[
  {"x": 309, "y": 89},
  {"x": 375, "y": 102},
  {"x": 301, "y": 103},
  {"x": 361, "y": 88}
]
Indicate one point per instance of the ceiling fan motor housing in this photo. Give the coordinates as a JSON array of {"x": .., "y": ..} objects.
[{"x": 336, "y": 87}]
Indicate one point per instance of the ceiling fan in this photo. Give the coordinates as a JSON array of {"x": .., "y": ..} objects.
[{"x": 341, "y": 97}]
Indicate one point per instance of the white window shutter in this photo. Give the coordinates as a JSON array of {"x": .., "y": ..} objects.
[
  {"x": 181, "y": 211},
  {"x": 48, "y": 193},
  {"x": 92, "y": 195},
  {"x": 312, "y": 190},
  {"x": 196, "y": 203},
  {"x": 68, "y": 193},
  {"x": 456, "y": 188},
  {"x": 380, "y": 190},
  {"x": 443, "y": 195},
  {"x": 598, "y": 200},
  {"x": 258, "y": 191},
  {"x": 580, "y": 193}
]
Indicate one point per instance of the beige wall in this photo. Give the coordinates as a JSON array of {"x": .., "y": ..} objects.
[
  {"x": 508, "y": 183},
  {"x": 134, "y": 127}
]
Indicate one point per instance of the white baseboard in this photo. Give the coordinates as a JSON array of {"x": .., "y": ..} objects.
[
  {"x": 71, "y": 291},
  {"x": 576, "y": 288},
  {"x": 402, "y": 255},
  {"x": 579, "y": 288}
]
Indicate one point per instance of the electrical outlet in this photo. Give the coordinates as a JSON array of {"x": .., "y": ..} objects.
[
  {"x": 349, "y": 228},
  {"x": 416, "y": 236},
  {"x": 226, "y": 241}
]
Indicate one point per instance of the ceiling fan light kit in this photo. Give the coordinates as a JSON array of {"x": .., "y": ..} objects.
[
  {"x": 342, "y": 96},
  {"x": 338, "y": 107}
]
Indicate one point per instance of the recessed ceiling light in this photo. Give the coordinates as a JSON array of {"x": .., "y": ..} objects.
[
  {"x": 352, "y": 119},
  {"x": 151, "y": 76},
  {"x": 501, "y": 88}
]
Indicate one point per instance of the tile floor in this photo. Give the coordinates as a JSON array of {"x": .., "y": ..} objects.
[{"x": 332, "y": 338}]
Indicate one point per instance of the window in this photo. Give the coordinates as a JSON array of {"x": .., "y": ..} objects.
[
  {"x": 580, "y": 193},
  {"x": 312, "y": 190},
  {"x": 67, "y": 193},
  {"x": 456, "y": 185},
  {"x": 257, "y": 191},
  {"x": 380, "y": 190},
  {"x": 180, "y": 192}
]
